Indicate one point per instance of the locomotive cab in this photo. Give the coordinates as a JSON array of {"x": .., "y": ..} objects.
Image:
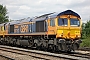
[
  {"x": 68, "y": 30},
  {"x": 68, "y": 27}
]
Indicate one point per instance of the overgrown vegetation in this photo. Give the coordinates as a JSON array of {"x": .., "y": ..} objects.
[
  {"x": 85, "y": 42},
  {"x": 3, "y": 14},
  {"x": 85, "y": 34}
]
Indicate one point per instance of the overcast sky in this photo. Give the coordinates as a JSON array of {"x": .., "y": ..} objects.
[{"x": 19, "y": 9}]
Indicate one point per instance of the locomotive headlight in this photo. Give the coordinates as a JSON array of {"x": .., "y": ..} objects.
[
  {"x": 61, "y": 35},
  {"x": 78, "y": 36}
]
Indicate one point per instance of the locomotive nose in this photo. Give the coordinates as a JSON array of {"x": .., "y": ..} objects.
[
  {"x": 73, "y": 34},
  {"x": 68, "y": 34}
]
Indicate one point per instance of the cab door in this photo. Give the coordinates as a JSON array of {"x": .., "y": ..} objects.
[
  {"x": 52, "y": 26},
  {"x": 63, "y": 26}
]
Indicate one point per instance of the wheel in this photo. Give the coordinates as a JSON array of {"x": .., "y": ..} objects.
[
  {"x": 31, "y": 43},
  {"x": 75, "y": 46},
  {"x": 54, "y": 48}
]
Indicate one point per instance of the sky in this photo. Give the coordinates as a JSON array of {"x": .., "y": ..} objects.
[{"x": 19, "y": 9}]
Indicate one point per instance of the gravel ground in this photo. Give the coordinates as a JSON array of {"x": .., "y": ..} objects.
[
  {"x": 28, "y": 55},
  {"x": 83, "y": 52},
  {"x": 3, "y": 58},
  {"x": 16, "y": 56}
]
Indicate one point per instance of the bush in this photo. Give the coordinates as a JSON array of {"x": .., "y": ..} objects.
[{"x": 85, "y": 42}]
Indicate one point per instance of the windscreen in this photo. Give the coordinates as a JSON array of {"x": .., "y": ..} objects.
[
  {"x": 62, "y": 22},
  {"x": 74, "y": 22}
]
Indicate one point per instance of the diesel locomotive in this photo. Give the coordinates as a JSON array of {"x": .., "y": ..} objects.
[{"x": 55, "y": 31}]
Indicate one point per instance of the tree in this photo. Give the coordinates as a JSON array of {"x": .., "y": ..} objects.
[
  {"x": 86, "y": 29},
  {"x": 3, "y": 14},
  {"x": 83, "y": 33}
]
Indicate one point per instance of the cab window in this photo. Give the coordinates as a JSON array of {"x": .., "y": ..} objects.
[
  {"x": 52, "y": 22},
  {"x": 74, "y": 22},
  {"x": 62, "y": 22},
  {"x": 1, "y": 28}
]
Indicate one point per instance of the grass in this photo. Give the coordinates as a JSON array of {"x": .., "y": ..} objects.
[{"x": 85, "y": 42}]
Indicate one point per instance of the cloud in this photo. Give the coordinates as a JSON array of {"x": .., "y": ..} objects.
[{"x": 18, "y": 9}]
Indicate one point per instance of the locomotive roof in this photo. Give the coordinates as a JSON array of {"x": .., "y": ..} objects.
[
  {"x": 20, "y": 21},
  {"x": 2, "y": 24},
  {"x": 53, "y": 15},
  {"x": 70, "y": 12},
  {"x": 42, "y": 17},
  {"x": 14, "y": 22},
  {"x": 26, "y": 20}
]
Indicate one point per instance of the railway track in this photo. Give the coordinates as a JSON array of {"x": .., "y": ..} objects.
[
  {"x": 2, "y": 57},
  {"x": 78, "y": 54},
  {"x": 41, "y": 54},
  {"x": 84, "y": 49}
]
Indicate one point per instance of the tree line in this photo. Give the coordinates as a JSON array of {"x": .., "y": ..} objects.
[
  {"x": 3, "y": 14},
  {"x": 86, "y": 29}
]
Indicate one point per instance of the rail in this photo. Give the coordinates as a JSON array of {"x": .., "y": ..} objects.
[{"x": 42, "y": 54}]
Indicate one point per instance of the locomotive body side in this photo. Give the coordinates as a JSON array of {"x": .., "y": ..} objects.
[
  {"x": 55, "y": 31},
  {"x": 2, "y": 30}
]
